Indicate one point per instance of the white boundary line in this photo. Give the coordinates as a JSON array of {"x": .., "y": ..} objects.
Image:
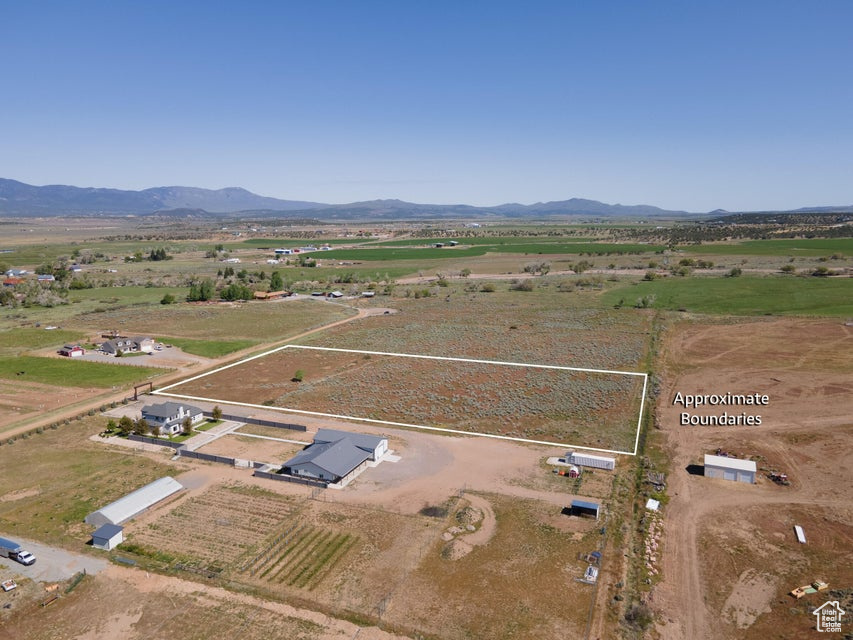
[{"x": 163, "y": 392}]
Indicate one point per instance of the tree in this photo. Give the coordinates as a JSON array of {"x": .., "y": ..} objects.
[
  {"x": 235, "y": 291},
  {"x": 125, "y": 425},
  {"x": 168, "y": 299},
  {"x": 187, "y": 424},
  {"x": 140, "y": 427},
  {"x": 156, "y": 431},
  {"x": 216, "y": 413},
  {"x": 734, "y": 272},
  {"x": 298, "y": 376},
  {"x": 465, "y": 272},
  {"x": 276, "y": 283},
  {"x": 199, "y": 292}
]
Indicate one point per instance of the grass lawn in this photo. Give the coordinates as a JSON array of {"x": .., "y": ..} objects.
[
  {"x": 784, "y": 295},
  {"x": 15, "y": 341},
  {"x": 209, "y": 348},
  {"x": 68, "y": 372}
]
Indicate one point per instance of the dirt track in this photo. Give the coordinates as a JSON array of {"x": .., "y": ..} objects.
[{"x": 805, "y": 368}]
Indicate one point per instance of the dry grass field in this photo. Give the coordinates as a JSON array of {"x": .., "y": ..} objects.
[
  {"x": 579, "y": 408},
  {"x": 268, "y": 321},
  {"x": 50, "y": 481}
]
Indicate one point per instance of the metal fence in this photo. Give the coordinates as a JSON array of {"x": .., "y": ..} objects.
[
  {"x": 186, "y": 453},
  {"x": 157, "y": 441},
  {"x": 286, "y": 478},
  {"x": 260, "y": 421}
]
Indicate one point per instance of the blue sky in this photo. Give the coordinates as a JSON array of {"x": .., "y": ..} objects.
[{"x": 683, "y": 105}]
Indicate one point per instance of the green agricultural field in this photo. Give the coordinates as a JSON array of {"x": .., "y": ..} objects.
[
  {"x": 815, "y": 247},
  {"x": 68, "y": 372},
  {"x": 15, "y": 341},
  {"x": 426, "y": 252},
  {"x": 209, "y": 348},
  {"x": 783, "y": 295}
]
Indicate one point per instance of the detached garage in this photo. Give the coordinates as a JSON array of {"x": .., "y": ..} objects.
[{"x": 733, "y": 469}]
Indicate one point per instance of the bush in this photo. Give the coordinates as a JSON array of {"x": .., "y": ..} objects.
[
  {"x": 167, "y": 299},
  {"x": 522, "y": 285},
  {"x": 298, "y": 376},
  {"x": 488, "y": 287}
]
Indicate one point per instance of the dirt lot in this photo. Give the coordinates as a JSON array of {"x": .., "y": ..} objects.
[
  {"x": 29, "y": 399},
  {"x": 729, "y": 554},
  {"x": 134, "y": 605}
]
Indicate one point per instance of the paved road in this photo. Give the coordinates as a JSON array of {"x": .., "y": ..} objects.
[{"x": 52, "y": 564}]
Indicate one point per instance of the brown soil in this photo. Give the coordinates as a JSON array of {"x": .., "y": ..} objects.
[{"x": 729, "y": 555}]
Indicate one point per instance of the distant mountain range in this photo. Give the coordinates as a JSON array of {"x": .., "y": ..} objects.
[{"x": 18, "y": 200}]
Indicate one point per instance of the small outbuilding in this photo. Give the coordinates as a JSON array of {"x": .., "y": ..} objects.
[
  {"x": 72, "y": 351},
  {"x": 582, "y": 508},
  {"x": 107, "y": 536},
  {"x": 734, "y": 469},
  {"x": 134, "y": 503}
]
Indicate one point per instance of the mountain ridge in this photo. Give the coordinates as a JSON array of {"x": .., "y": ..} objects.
[{"x": 24, "y": 200}]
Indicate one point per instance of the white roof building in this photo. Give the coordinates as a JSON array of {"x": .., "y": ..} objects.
[
  {"x": 734, "y": 469},
  {"x": 134, "y": 503}
]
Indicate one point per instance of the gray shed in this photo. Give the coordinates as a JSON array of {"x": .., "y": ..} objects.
[{"x": 107, "y": 536}]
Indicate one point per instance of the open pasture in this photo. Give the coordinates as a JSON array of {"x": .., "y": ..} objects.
[{"x": 745, "y": 295}]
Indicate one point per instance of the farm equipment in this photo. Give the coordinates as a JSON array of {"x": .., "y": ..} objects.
[{"x": 779, "y": 478}]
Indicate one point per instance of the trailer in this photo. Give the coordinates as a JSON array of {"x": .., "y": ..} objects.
[
  {"x": 589, "y": 460},
  {"x": 9, "y": 548}
]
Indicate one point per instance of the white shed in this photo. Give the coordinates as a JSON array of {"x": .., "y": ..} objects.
[
  {"x": 733, "y": 469},
  {"x": 134, "y": 503}
]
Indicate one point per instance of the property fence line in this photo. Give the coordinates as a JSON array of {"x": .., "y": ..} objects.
[
  {"x": 206, "y": 456},
  {"x": 286, "y": 478},
  {"x": 158, "y": 441},
  {"x": 259, "y": 421}
]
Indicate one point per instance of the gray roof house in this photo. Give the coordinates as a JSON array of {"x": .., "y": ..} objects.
[
  {"x": 170, "y": 416},
  {"x": 335, "y": 454},
  {"x": 128, "y": 345}
]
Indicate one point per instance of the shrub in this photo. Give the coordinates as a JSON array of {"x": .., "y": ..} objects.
[{"x": 488, "y": 287}]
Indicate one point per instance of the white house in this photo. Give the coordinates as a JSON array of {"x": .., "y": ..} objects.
[
  {"x": 733, "y": 469},
  {"x": 170, "y": 416}
]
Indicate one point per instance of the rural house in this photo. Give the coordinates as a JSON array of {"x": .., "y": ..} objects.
[
  {"x": 335, "y": 455},
  {"x": 128, "y": 345},
  {"x": 169, "y": 416}
]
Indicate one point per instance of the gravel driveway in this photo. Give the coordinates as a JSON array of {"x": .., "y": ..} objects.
[{"x": 52, "y": 564}]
